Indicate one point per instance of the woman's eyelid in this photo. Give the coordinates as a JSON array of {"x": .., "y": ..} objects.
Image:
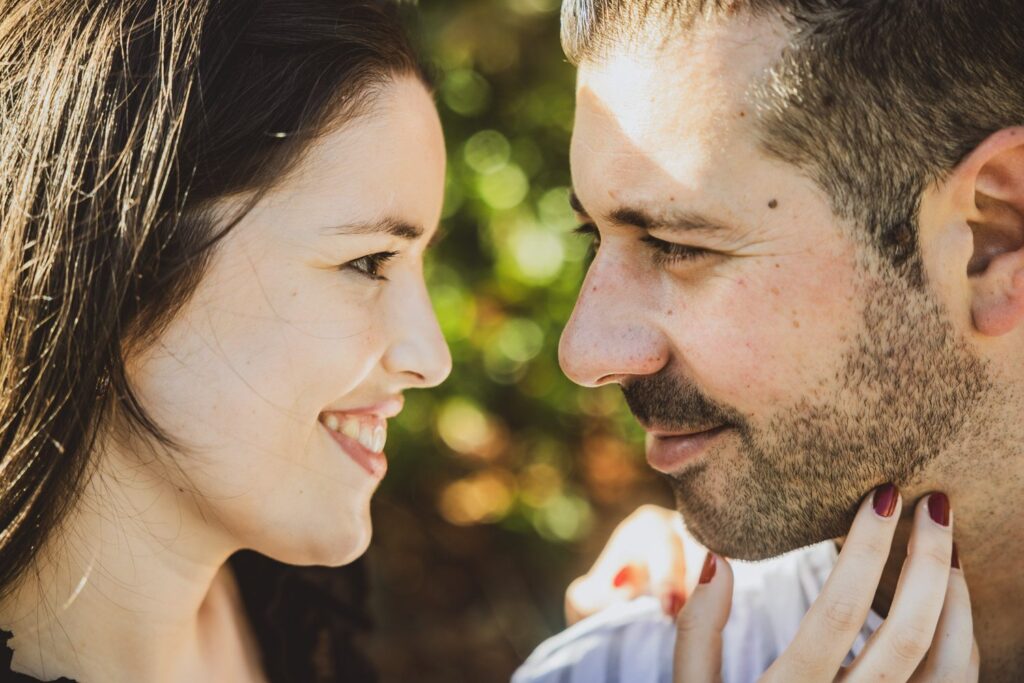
[{"x": 369, "y": 265}]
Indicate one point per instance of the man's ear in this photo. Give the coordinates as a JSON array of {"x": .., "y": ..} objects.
[{"x": 989, "y": 196}]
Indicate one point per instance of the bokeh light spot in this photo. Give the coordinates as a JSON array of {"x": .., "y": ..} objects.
[
  {"x": 465, "y": 92},
  {"x": 481, "y": 498},
  {"x": 467, "y": 430},
  {"x": 505, "y": 188},
  {"x": 487, "y": 151}
]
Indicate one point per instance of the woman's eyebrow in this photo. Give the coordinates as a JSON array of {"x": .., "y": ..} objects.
[{"x": 392, "y": 226}]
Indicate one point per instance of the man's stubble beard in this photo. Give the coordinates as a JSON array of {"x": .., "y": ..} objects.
[{"x": 908, "y": 389}]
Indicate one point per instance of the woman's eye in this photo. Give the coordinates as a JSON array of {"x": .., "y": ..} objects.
[
  {"x": 370, "y": 266},
  {"x": 666, "y": 253}
]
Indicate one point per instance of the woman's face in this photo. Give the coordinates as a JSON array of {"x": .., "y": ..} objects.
[{"x": 313, "y": 313}]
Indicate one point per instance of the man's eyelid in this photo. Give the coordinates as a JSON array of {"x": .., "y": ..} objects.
[{"x": 689, "y": 237}]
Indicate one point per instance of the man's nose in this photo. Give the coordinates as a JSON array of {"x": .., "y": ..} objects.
[{"x": 610, "y": 335}]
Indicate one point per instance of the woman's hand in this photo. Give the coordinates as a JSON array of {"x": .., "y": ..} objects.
[
  {"x": 644, "y": 556},
  {"x": 927, "y": 636}
]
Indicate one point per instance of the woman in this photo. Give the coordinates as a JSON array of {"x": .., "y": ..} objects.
[{"x": 214, "y": 218}]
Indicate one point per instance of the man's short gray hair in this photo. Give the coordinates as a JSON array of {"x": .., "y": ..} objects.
[{"x": 873, "y": 99}]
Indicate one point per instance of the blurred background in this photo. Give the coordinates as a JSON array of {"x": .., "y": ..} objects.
[{"x": 504, "y": 483}]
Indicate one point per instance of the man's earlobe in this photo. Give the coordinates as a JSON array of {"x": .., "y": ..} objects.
[{"x": 996, "y": 268}]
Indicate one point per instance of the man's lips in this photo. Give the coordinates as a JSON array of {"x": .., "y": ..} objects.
[
  {"x": 666, "y": 433},
  {"x": 671, "y": 451}
]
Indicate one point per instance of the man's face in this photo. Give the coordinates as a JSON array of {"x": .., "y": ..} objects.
[{"x": 726, "y": 296}]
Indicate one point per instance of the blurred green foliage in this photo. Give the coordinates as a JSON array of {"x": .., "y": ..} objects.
[
  {"x": 501, "y": 437},
  {"x": 504, "y": 481}
]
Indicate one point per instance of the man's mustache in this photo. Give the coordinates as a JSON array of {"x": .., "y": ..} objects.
[{"x": 667, "y": 403}]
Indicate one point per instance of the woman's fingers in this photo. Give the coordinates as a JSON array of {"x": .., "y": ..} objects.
[
  {"x": 953, "y": 655},
  {"x": 896, "y": 650},
  {"x": 644, "y": 555},
  {"x": 667, "y": 567},
  {"x": 830, "y": 627},
  {"x": 603, "y": 587},
  {"x": 698, "y": 651}
]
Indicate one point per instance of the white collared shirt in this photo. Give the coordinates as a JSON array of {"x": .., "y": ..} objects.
[{"x": 633, "y": 642}]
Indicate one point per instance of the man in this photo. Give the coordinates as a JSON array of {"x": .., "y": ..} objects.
[{"x": 809, "y": 282}]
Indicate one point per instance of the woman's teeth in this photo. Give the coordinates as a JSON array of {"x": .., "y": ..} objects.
[{"x": 370, "y": 437}]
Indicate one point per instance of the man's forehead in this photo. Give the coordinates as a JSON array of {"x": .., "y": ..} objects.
[
  {"x": 682, "y": 109},
  {"x": 715, "y": 62}
]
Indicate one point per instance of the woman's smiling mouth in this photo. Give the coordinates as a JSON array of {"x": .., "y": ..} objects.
[
  {"x": 363, "y": 433},
  {"x": 371, "y": 432}
]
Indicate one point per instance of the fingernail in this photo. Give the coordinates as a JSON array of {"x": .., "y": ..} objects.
[
  {"x": 624, "y": 576},
  {"x": 938, "y": 508},
  {"x": 673, "y": 604},
  {"x": 956, "y": 558},
  {"x": 885, "y": 500},
  {"x": 708, "y": 572}
]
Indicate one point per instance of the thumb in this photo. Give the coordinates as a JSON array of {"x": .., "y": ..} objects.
[{"x": 698, "y": 651}]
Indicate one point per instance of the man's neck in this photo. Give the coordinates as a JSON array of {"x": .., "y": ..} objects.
[{"x": 991, "y": 555}]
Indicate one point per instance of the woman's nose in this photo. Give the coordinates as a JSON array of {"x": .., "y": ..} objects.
[{"x": 418, "y": 350}]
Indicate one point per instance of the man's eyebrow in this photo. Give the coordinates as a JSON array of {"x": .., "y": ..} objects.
[
  {"x": 391, "y": 226},
  {"x": 683, "y": 221},
  {"x": 686, "y": 221}
]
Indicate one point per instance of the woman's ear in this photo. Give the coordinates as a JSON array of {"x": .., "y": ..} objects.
[{"x": 988, "y": 195}]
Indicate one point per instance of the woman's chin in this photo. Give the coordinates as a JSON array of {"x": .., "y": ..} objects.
[{"x": 325, "y": 544}]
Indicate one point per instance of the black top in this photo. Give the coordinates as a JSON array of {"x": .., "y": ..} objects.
[{"x": 305, "y": 618}]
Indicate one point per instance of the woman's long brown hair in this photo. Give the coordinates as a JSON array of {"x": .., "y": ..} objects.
[{"x": 120, "y": 122}]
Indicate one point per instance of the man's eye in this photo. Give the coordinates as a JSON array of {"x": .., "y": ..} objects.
[
  {"x": 666, "y": 253},
  {"x": 590, "y": 230},
  {"x": 370, "y": 266}
]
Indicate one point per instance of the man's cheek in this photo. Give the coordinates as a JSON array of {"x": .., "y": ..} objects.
[{"x": 755, "y": 355}]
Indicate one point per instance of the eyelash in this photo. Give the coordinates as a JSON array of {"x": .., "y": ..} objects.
[
  {"x": 665, "y": 253},
  {"x": 369, "y": 266}
]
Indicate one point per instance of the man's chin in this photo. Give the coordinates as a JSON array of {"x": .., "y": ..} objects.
[
  {"x": 755, "y": 538},
  {"x": 750, "y": 552}
]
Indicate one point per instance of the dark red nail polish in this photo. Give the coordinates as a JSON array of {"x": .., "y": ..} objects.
[
  {"x": 885, "y": 500},
  {"x": 708, "y": 572},
  {"x": 938, "y": 508},
  {"x": 956, "y": 558},
  {"x": 624, "y": 576},
  {"x": 673, "y": 604}
]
